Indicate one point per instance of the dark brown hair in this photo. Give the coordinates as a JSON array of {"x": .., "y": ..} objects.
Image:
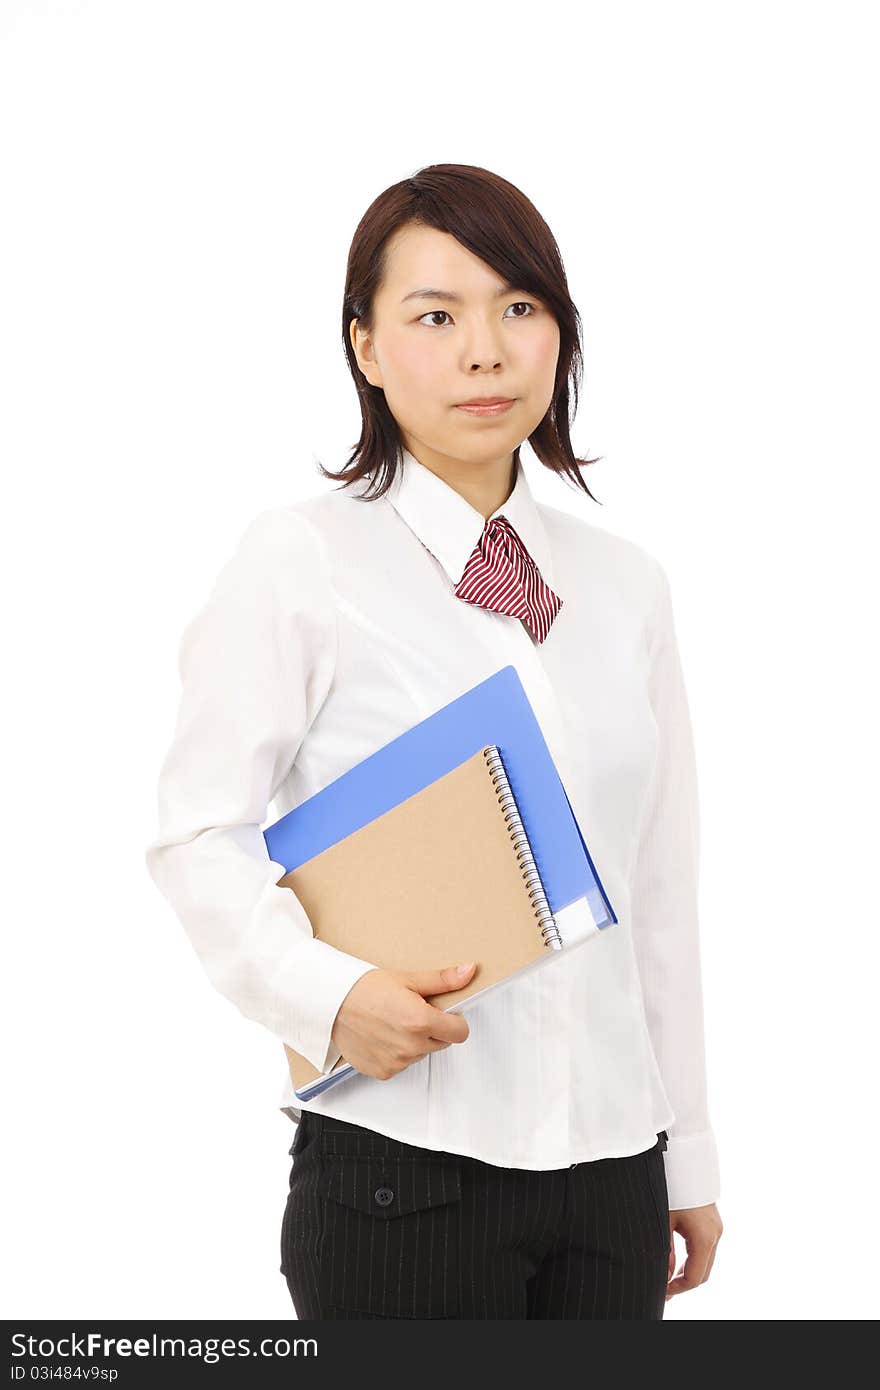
[{"x": 498, "y": 223}]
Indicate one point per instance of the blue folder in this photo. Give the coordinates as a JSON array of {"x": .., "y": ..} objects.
[{"x": 497, "y": 711}]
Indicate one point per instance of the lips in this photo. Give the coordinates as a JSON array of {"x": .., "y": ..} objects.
[{"x": 486, "y": 405}]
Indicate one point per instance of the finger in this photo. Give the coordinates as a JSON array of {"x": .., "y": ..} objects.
[
  {"x": 429, "y": 1045},
  {"x": 671, "y": 1270},
  {"x": 695, "y": 1269},
  {"x": 444, "y": 1027},
  {"x": 711, "y": 1262}
]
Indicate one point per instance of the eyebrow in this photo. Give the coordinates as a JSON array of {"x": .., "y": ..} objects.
[{"x": 450, "y": 295}]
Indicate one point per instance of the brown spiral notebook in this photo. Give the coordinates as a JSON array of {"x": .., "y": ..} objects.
[{"x": 445, "y": 876}]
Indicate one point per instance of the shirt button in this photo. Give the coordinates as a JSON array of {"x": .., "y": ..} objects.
[{"x": 384, "y": 1195}]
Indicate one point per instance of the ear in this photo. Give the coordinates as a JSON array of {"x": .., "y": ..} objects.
[{"x": 364, "y": 351}]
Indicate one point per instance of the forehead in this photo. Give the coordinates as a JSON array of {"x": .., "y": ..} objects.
[{"x": 418, "y": 256}]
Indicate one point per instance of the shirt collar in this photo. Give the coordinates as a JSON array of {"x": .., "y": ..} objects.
[{"x": 450, "y": 527}]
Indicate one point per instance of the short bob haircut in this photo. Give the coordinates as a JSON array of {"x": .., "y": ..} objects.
[{"x": 498, "y": 223}]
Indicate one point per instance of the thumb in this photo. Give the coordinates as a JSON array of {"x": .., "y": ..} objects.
[{"x": 439, "y": 981}]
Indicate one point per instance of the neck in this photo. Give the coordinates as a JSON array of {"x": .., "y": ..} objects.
[{"x": 486, "y": 485}]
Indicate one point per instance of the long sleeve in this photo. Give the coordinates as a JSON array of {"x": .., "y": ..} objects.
[
  {"x": 256, "y": 664},
  {"x": 666, "y": 921}
]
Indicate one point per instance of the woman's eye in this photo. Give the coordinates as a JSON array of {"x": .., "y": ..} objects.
[{"x": 440, "y": 313}]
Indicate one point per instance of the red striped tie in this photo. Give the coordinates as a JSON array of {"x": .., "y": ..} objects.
[{"x": 502, "y": 576}]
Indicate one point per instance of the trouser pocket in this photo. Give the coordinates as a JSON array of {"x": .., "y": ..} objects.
[{"x": 391, "y": 1234}]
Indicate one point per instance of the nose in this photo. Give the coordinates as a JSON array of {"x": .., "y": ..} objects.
[{"x": 483, "y": 347}]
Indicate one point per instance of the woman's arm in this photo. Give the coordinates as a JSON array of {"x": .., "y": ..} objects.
[
  {"x": 256, "y": 664},
  {"x": 666, "y": 922}
]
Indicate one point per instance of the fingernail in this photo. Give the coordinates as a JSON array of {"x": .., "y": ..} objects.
[{"x": 463, "y": 969}]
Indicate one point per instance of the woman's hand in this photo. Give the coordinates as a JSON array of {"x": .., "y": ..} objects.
[
  {"x": 384, "y": 1024},
  {"x": 701, "y": 1228}
]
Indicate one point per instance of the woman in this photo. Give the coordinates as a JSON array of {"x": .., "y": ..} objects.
[{"x": 532, "y": 1159}]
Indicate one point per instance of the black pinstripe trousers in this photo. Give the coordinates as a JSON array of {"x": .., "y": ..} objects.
[{"x": 377, "y": 1228}]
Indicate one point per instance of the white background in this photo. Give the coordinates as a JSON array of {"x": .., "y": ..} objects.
[{"x": 181, "y": 182}]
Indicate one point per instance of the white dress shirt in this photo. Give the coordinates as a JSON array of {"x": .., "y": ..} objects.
[{"x": 332, "y": 629}]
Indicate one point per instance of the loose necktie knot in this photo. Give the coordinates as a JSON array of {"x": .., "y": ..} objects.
[{"x": 502, "y": 577}]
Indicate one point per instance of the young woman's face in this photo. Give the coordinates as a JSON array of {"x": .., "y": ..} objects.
[{"x": 471, "y": 337}]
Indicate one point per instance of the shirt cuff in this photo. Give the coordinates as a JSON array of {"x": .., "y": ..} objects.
[
  {"x": 692, "y": 1173},
  {"x": 314, "y": 990}
]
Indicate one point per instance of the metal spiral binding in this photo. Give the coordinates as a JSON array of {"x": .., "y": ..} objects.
[{"x": 525, "y": 858}]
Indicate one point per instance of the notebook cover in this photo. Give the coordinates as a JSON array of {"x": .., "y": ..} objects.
[
  {"x": 435, "y": 880},
  {"x": 495, "y": 711}
]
